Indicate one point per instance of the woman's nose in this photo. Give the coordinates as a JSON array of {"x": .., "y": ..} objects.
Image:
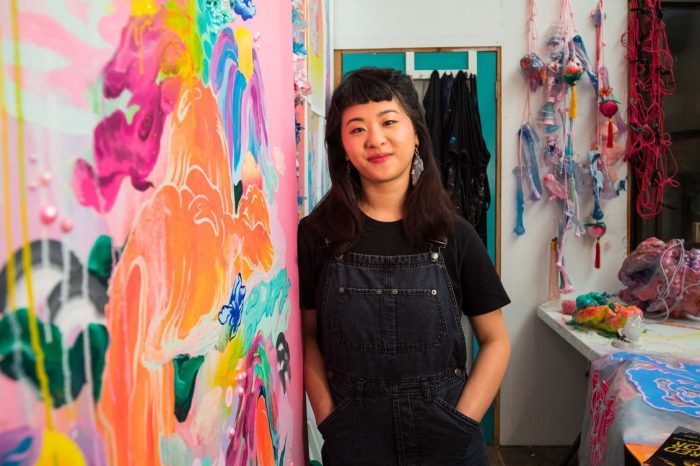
[{"x": 375, "y": 137}]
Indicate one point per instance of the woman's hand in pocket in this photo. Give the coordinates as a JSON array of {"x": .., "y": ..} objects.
[{"x": 324, "y": 411}]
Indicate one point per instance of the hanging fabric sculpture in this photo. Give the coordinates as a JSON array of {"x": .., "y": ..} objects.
[
  {"x": 552, "y": 119},
  {"x": 612, "y": 152},
  {"x": 533, "y": 68},
  {"x": 650, "y": 80},
  {"x": 663, "y": 279},
  {"x": 534, "y": 71},
  {"x": 599, "y": 164},
  {"x": 572, "y": 73},
  {"x": 608, "y": 108},
  {"x": 568, "y": 63},
  {"x": 596, "y": 230}
]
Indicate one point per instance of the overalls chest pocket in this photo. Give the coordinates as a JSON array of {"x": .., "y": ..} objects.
[{"x": 388, "y": 320}]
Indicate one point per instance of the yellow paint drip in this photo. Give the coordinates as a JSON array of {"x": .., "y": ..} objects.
[
  {"x": 26, "y": 253},
  {"x": 57, "y": 449},
  {"x": 245, "y": 52},
  {"x": 5, "y": 148},
  {"x": 225, "y": 370},
  {"x": 143, "y": 7},
  {"x": 182, "y": 20}
]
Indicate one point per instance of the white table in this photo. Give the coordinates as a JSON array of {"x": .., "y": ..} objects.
[{"x": 677, "y": 337}]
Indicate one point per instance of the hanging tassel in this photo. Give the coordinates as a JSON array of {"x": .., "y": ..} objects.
[
  {"x": 519, "y": 201},
  {"x": 572, "y": 73},
  {"x": 582, "y": 57},
  {"x": 528, "y": 139},
  {"x": 610, "y": 133},
  {"x": 553, "y": 271},
  {"x": 596, "y": 230},
  {"x": 595, "y": 161}
]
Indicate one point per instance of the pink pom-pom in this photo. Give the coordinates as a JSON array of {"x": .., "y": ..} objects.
[
  {"x": 608, "y": 108},
  {"x": 568, "y": 307}
]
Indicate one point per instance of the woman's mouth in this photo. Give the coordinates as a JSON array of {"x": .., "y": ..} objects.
[{"x": 378, "y": 158}]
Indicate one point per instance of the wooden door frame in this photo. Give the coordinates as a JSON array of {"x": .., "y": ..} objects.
[{"x": 338, "y": 74}]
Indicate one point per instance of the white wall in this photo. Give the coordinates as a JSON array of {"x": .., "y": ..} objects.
[{"x": 542, "y": 398}]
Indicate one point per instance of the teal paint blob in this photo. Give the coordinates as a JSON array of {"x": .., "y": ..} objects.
[{"x": 186, "y": 369}]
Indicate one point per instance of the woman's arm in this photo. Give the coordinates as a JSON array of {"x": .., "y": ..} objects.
[
  {"x": 490, "y": 365},
  {"x": 315, "y": 380}
]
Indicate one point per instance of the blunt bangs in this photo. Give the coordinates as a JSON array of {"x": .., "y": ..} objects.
[{"x": 361, "y": 87}]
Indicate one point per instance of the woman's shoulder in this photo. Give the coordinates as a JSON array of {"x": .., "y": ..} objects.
[
  {"x": 308, "y": 233},
  {"x": 463, "y": 232}
]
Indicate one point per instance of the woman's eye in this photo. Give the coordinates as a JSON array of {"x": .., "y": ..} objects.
[
  {"x": 389, "y": 122},
  {"x": 356, "y": 130}
]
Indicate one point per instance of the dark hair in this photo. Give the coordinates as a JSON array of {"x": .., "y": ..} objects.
[{"x": 428, "y": 211}]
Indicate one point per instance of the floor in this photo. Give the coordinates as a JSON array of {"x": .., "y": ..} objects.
[{"x": 529, "y": 456}]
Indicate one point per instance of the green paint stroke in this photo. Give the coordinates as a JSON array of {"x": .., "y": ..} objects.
[
  {"x": 263, "y": 301},
  {"x": 186, "y": 369},
  {"x": 174, "y": 451},
  {"x": 100, "y": 260},
  {"x": 53, "y": 351},
  {"x": 237, "y": 193},
  {"x": 181, "y": 18},
  {"x": 212, "y": 17},
  {"x": 262, "y": 367}
]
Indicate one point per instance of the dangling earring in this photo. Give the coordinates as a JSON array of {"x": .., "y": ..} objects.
[{"x": 417, "y": 167}]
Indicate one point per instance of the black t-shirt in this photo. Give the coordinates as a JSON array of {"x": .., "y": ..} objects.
[{"x": 477, "y": 287}]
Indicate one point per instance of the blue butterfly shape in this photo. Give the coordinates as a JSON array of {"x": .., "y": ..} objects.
[{"x": 231, "y": 313}]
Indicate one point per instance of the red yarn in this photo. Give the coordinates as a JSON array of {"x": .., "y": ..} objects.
[{"x": 650, "y": 79}]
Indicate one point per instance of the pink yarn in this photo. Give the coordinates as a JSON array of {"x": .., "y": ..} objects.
[
  {"x": 568, "y": 307},
  {"x": 650, "y": 80},
  {"x": 663, "y": 279}
]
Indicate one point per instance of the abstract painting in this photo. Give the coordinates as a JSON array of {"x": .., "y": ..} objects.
[{"x": 148, "y": 303}]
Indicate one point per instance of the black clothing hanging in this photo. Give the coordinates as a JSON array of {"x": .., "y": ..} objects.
[
  {"x": 480, "y": 148},
  {"x": 436, "y": 104},
  {"x": 463, "y": 156},
  {"x": 432, "y": 103},
  {"x": 446, "y": 83}
]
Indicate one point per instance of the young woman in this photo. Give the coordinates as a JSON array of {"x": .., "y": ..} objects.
[{"x": 386, "y": 271}]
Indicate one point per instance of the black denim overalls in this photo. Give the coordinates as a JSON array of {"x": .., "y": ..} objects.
[{"x": 395, "y": 356}]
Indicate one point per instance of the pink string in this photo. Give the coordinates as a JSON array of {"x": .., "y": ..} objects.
[
  {"x": 566, "y": 17},
  {"x": 650, "y": 80},
  {"x": 532, "y": 38},
  {"x": 531, "y": 26},
  {"x": 600, "y": 60}
]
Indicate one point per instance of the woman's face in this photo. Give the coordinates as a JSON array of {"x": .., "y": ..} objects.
[{"x": 379, "y": 140}]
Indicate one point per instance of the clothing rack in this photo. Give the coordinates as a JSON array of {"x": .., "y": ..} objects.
[{"x": 425, "y": 74}]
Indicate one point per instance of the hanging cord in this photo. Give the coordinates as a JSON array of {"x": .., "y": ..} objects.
[
  {"x": 531, "y": 41},
  {"x": 650, "y": 80},
  {"x": 525, "y": 118},
  {"x": 665, "y": 290},
  {"x": 566, "y": 17},
  {"x": 599, "y": 63},
  {"x": 531, "y": 26},
  {"x": 602, "y": 72}
]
